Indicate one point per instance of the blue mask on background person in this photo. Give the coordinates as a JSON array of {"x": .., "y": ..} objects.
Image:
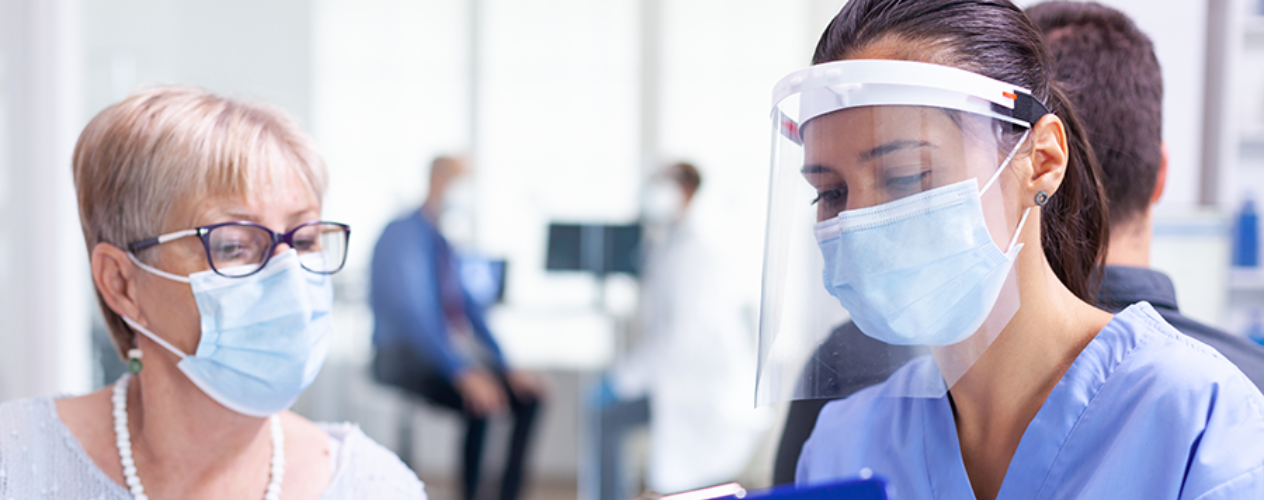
[
  {"x": 264, "y": 336},
  {"x": 920, "y": 270}
]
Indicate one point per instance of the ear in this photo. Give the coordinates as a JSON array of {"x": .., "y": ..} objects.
[
  {"x": 1160, "y": 182},
  {"x": 1049, "y": 159},
  {"x": 114, "y": 275}
]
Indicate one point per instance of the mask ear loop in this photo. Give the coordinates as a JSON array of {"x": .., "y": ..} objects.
[
  {"x": 1021, "y": 140},
  {"x": 136, "y": 326},
  {"x": 1013, "y": 241},
  {"x": 143, "y": 330}
]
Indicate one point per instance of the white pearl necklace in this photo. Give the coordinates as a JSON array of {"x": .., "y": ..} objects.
[{"x": 123, "y": 438}]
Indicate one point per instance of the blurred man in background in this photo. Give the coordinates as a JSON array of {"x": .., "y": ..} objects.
[
  {"x": 431, "y": 338},
  {"x": 1107, "y": 67},
  {"x": 689, "y": 373}
]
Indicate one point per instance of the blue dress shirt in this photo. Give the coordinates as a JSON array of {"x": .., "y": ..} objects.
[
  {"x": 405, "y": 293},
  {"x": 1143, "y": 412}
]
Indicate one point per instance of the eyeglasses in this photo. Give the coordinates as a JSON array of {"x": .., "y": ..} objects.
[{"x": 240, "y": 249}]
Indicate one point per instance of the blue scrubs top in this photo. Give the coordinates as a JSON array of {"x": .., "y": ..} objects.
[{"x": 1144, "y": 412}]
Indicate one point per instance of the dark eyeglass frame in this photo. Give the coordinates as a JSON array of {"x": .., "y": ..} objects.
[{"x": 204, "y": 233}]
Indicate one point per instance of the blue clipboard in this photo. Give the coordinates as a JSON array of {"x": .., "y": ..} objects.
[
  {"x": 856, "y": 489},
  {"x": 870, "y": 488}
]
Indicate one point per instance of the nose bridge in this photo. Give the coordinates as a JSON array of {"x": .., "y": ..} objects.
[
  {"x": 865, "y": 200},
  {"x": 278, "y": 238},
  {"x": 864, "y": 191}
]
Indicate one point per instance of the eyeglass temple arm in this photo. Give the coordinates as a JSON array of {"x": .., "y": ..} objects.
[{"x": 149, "y": 242}]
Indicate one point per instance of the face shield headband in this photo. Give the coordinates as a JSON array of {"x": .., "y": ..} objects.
[{"x": 826, "y": 88}]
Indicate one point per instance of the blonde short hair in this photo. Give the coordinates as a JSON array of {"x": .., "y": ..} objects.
[{"x": 165, "y": 148}]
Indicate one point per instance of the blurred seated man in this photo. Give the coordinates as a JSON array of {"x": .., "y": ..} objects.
[
  {"x": 1108, "y": 68},
  {"x": 431, "y": 338},
  {"x": 687, "y": 376}
]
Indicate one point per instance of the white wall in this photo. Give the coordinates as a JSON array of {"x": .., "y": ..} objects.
[
  {"x": 557, "y": 132},
  {"x": 251, "y": 50},
  {"x": 44, "y": 346},
  {"x": 390, "y": 91}
]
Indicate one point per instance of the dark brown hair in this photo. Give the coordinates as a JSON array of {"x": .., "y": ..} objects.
[
  {"x": 996, "y": 39},
  {"x": 687, "y": 176},
  {"x": 1108, "y": 68}
]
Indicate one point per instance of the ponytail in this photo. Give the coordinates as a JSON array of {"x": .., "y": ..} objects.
[{"x": 1075, "y": 225}]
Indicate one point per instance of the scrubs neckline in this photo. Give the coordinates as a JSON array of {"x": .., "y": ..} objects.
[{"x": 1053, "y": 424}]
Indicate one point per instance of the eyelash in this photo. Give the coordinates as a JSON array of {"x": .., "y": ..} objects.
[{"x": 841, "y": 192}]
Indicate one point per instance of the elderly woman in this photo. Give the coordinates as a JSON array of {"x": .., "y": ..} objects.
[{"x": 211, "y": 263}]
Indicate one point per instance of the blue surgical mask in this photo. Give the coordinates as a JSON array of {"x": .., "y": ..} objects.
[
  {"x": 921, "y": 270},
  {"x": 264, "y": 336}
]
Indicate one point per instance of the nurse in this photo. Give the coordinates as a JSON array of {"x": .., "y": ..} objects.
[{"x": 932, "y": 178}]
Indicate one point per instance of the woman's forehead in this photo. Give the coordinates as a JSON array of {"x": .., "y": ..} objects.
[
  {"x": 856, "y": 134},
  {"x": 275, "y": 197}
]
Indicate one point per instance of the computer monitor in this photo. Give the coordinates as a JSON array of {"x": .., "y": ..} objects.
[
  {"x": 483, "y": 278},
  {"x": 595, "y": 248}
]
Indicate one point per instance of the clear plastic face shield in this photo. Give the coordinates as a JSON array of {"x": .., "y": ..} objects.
[{"x": 892, "y": 227}]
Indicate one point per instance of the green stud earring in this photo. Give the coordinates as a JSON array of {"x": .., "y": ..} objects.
[{"x": 133, "y": 361}]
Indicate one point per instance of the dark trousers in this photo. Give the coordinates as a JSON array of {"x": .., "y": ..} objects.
[{"x": 397, "y": 367}]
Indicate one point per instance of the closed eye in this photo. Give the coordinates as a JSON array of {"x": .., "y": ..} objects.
[{"x": 905, "y": 182}]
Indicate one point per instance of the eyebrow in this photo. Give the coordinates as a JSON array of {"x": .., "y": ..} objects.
[
  {"x": 870, "y": 155},
  {"x": 815, "y": 169},
  {"x": 892, "y": 147}
]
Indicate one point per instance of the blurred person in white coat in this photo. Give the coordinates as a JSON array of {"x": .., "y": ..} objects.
[{"x": 688, "y": 373}]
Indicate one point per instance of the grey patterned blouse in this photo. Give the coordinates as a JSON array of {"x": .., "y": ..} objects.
[{"x": 40, "y": 458}]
